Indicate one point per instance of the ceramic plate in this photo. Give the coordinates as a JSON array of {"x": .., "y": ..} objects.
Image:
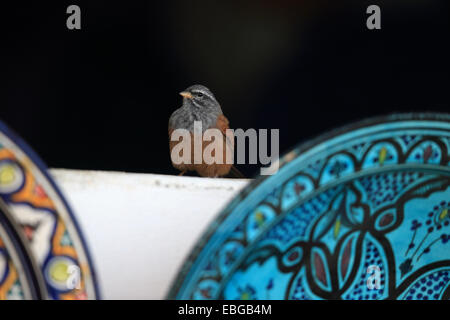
[
  {"x": 55, "y": 263},
  {"x": 17, "y": 281},
  {"x": 360, "y": 213}
]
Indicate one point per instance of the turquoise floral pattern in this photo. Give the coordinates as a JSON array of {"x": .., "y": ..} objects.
[{"x": 373, "y": 196}]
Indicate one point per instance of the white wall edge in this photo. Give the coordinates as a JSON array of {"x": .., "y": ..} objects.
[{"x": 140, "y": 227}]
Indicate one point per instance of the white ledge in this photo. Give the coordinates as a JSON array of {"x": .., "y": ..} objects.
[{"x": 140, "y": 227}]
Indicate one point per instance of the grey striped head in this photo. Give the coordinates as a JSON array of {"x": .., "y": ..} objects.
[{"x": 199, "y": 97}]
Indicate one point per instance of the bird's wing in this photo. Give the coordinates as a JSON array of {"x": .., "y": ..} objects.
[{"x": 223, "y": 124}]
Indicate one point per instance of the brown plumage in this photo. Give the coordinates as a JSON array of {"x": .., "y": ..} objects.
[{"x": 199, "y": 104}]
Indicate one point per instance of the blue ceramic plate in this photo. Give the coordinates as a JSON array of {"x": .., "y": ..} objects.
[
  {"x": 44, "y": 244},
  {"x": 360, "y": 213}
]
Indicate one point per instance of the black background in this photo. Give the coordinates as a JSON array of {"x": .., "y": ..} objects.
[
  {"x": 280, "y": 309},
  {"x": 100, "y": 97}
]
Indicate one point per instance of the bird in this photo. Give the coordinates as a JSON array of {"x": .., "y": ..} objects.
[{"x": 200, "y": 104}]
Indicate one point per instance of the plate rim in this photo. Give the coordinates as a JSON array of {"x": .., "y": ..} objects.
[
  {"x": 22, "y": 251},
  {"x": 206, "y": 234},
  {"x": 39, "y": 163}
]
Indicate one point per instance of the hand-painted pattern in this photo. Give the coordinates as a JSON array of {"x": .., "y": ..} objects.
[
  {"x": 45, "y": 221},
  {"x": 10, "y": 284},
  {"x": 363, "y": 214}
]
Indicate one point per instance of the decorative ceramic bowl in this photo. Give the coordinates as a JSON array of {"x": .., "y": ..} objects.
[
  {"x": 42, "y": 252},
  {"x": 360, "y": 213}
]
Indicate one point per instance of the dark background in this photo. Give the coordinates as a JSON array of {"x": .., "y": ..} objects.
[{"x": 100, "y": 97}]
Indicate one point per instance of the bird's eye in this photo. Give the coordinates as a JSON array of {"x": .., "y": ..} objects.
[{"x": 199, "y": 94}]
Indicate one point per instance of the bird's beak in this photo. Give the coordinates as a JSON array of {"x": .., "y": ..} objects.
[{"x": 186, "y": 94}]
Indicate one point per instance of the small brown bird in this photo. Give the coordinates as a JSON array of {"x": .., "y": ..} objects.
[{"x": 199, "y": 104}]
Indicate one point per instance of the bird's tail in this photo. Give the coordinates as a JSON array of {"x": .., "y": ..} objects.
[{"x": 235, "y": 173}]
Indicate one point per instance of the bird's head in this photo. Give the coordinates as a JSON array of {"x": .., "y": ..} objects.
[{"x": 199, "y": 97}]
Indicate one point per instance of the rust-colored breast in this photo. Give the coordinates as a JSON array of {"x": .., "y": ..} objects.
[{"x": 204, "y": 169}]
